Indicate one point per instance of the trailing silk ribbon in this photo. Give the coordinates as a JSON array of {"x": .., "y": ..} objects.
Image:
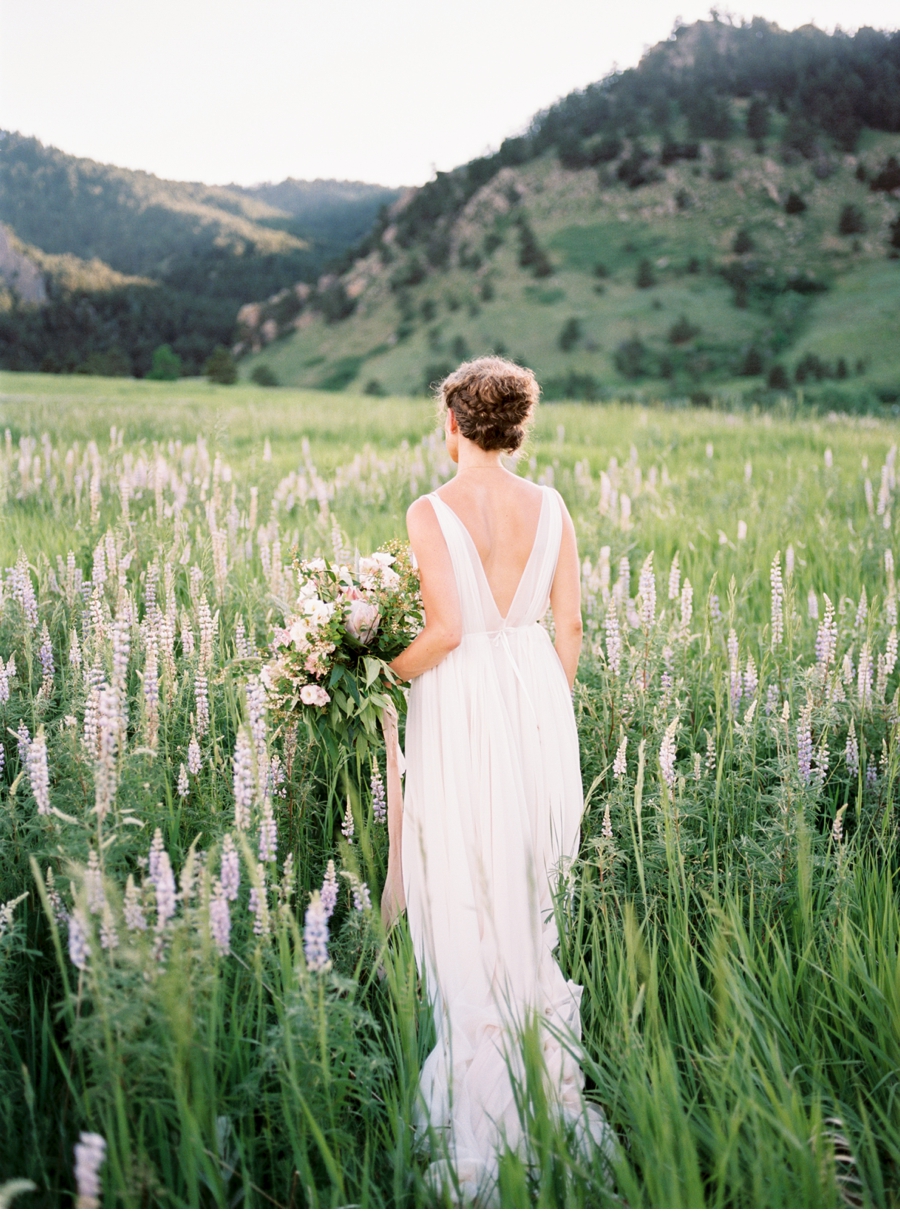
[{"x": 393, "y": 900}]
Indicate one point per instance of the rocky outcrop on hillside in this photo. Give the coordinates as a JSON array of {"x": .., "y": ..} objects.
[{"x": 21, "y": 278}]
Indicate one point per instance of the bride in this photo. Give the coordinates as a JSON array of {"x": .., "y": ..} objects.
[{"x": 493, "y": 796}]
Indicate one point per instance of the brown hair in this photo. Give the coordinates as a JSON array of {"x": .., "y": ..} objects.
[{"x": 493, "y": 401}]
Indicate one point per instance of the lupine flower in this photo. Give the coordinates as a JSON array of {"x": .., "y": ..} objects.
[
  {"x": 256, "y": 711},
  {"x": 93, "y": 884},
  {"x": 826, "y": 638},
  {"x": 822, "y": 758},
  {"x": 23, "y": 740},
  {"x": 674, "y": 578},
  {"x": 38, "y": 774},
  {"x": 165, "y": 892},
  {"x": 315, "y": 935},
  {"x": 715, "y": 610},
  {"x": 109, "y": 938},
  {"x": 79, "y": 948},
  {"x": 804, "y": 745},
  {"x": 329, "y": 893},
  {"x": 90, "y": 1153},
  {"x": 623, "y": 584},
  {"x": 606, "y": 831},
  {"x": 45, "y": 654},
  {"x": 259, "y": 906},
  {"x": 106, "y": 769},
  {"x": 735, "y": 668},
  {"x": 812, "y": 604},
  {"x": 132, "y": 910},
  {"x": 194, "y": 760},
  {"x": 696, "y": 767},
  {"x": 56, "y": 904},
  {"x": 207, "y": 632},
  {"x": 201, "y": 703},
  {"x": 348, "y": 827},
  {"x": 789, "y": 561},
  {"x": 890, "y": 652},
  {"x": 777, "y": 584},
  {"x": 751, "y": 681},
  {"x": 871, "y": 772},
  {"x": 851, "y": 752},
  {"x": 647, "y": 594},
  {"x": 74, "y": 650},
  {"x": 7, "y": 910},
  {"x": 187, "y": 633},
  {"x": 667, "y": 753},
  {"x": 711, "y": 761},
  {"x": 837, "y": 828},
  {"x": 362, "y": 901},
  {"x": 379, "y": 799},
  {"x": 230, "y": 871},
  {"x": 613, "y": 638},
  {"x": 864, "y": 677},
  {"x": 620, "y": 764},
  {"x": 220, "y": 920},
  {"x": 862, "y": 610},
  {"x": 244, "y": 783},
  {"x": 286, "y": 886},
  {"x": 182, "y": 787},
  {"x": 5, "y": 676},
  {"x": 687, "y": 606},
  {"x": 268, "y": 833}
]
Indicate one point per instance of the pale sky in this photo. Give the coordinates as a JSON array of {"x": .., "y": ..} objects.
[{"x": 384, "y": 90}]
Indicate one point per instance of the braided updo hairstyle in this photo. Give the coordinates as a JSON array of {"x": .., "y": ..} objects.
[{"x": 493, "y": 401}]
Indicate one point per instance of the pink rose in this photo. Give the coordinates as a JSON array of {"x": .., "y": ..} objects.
[
  {"x": 362, "y": 621},
  {"x": 314, "y": 695}
]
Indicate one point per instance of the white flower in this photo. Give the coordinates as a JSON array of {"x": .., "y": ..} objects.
[
  {"x": 314, "y": 695},
  {"x": 299, "y": 636},
  {"x": 318, "y": 612},
  {"x": 362, "y": 621}
]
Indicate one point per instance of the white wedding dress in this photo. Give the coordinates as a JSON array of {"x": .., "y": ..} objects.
[{"x": 492, "y": 810}]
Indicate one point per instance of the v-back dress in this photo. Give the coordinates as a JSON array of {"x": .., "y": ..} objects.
[{"x": 492, "y": 811}]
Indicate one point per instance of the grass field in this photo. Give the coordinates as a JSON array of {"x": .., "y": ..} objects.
[{"x": 733, "y": 914}]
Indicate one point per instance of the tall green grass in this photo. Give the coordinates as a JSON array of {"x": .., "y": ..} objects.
[{"x": 732, "y": 916}]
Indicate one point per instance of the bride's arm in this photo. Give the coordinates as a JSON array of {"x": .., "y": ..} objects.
[
  {"x": 565, "y": 600},
  {"x": 443, "y": 625}
]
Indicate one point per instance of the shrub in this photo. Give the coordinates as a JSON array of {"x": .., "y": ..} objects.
[
  {"x": 166, "y": 365},
  {"x": 220, "y": 366},
  {"x": 743, "y": 242},
  {"x": 682, "y": 331},
  {"x": 600, "y": 270},
  {"x": 721, "y": 165},
  {"x": 570, "y": 334},
  {"x": 428, "y": 310},
  {"x": 264, "y": 376},
  {"x": 778, "y": 379},
  {"x": 435, "y": 373},
  {"x": 335, "y": 303},
  {"x": 632, "y": 358},
  {"x": 895, "y": 233},
  {"x": 752, "y": 364},
  {"x": 852, "y": 220},
  {"x": 888, "y": 179},
  {"x": 531, "y": 255},
  {"x": 794, "y": 203},
  {"x": 645, "y": 277},
  {"x": 757, "y": 119},
  {"x": 637, "y": 169},
  {"x": 487, "y": 290},
  {"x": 374, "y": 387},
  {"x": 460, "y": 349}
]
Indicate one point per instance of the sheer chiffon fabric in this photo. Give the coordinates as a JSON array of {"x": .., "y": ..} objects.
[{"x": 492, "y": 810}]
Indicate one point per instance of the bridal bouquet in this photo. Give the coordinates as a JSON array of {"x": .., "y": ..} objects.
[{"x": 330, "y": 659}]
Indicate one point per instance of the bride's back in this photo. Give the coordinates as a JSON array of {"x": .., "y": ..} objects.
[{"x": 501, "y": 513}]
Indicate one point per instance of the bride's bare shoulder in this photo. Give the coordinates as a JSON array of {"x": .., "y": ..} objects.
[{"x": 420, "y": 516}]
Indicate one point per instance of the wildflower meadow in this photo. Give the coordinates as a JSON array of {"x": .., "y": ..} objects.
[{"x": 198, "y": 1003}]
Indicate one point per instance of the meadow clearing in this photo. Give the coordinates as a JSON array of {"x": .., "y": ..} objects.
[{"x": 733, "y": 915}]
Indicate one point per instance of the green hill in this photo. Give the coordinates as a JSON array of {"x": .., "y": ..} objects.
[
  {"x": 199, "y": 251},
  {"x": 725, "y": 216}
]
